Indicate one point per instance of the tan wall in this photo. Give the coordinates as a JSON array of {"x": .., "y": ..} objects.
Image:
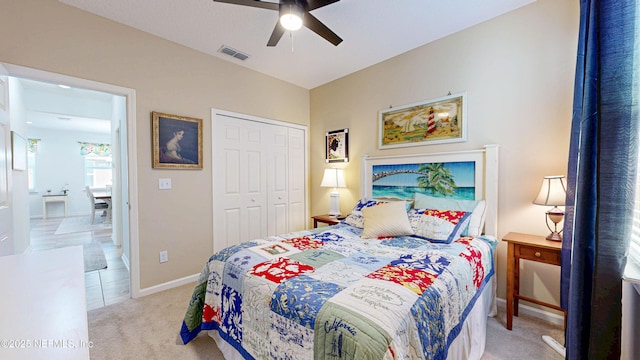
[
  {"x": 517, "y": 71},
  {"x": 50, "y": 36}
]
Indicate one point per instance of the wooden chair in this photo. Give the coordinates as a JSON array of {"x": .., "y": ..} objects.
[{"x": 100, "y": 205}]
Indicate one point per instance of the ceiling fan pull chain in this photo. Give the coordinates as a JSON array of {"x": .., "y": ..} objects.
[{"x": 291, "y": 36}]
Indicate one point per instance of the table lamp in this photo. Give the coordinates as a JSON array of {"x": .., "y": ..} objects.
[
  {"x": 553, "y": 193},
  {"x": 334, "y": 178}
]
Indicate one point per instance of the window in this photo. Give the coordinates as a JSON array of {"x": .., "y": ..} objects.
[
  {"x": 32, "y": 150},
  {"x": 634, "y": 245},
  {"x": 31, "y": 170},
  {"x": 97, "y": 171}
]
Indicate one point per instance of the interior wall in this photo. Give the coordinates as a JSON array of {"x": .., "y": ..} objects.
[
  {"x": 517, "y": 71},
  {"x": 169, "y": 78}
]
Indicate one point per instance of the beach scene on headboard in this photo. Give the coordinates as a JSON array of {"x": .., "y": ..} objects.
[
  {"x": 456, "y": 175},
  {"x": 455, "y": 180}
]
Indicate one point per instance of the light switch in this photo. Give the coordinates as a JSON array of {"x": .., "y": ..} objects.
[{"x": 164, "y": 184}]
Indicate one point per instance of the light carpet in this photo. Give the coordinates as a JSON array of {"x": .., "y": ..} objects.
[
  {"x": 94, "y": 258},
  {"x": 81, "y": 223},
  {"x": 148, "y": 328}
]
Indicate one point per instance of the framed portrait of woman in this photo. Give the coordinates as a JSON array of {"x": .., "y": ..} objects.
[{"x": 177, "y": 141}]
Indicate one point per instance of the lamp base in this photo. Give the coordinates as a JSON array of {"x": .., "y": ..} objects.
[
  {"x": 555, "y": 215},
  {"x": 334, "y": 209},
  {"x": 554, "y": 236}
]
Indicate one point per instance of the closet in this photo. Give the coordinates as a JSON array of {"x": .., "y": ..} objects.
[{"x": 259, "y": 178}]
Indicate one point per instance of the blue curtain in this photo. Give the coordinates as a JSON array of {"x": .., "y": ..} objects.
[{"x": 601, "y": 176}]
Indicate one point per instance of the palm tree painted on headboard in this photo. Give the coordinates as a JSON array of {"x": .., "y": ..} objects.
[{"x": 437, "y": 179}]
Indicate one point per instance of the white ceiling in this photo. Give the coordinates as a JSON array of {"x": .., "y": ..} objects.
[
  {"x": 50, "y": 106},
  {"x": 372, "y": 30}
]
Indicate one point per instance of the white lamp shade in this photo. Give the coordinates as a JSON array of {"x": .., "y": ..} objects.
[
  {"x": 553, "y": 191},
  {"x": 333, "y": 178}
]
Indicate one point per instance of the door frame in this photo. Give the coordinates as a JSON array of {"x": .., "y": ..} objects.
[{"x": 130, "y": 95}]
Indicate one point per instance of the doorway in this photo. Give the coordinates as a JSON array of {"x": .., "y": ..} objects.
[{"x": 122, "y": 135}]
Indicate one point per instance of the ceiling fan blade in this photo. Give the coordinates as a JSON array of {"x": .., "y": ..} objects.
[
  {"x": 276, "y": 35},
  {"x": 252, "y": 3},
  {"x": 313, "y": 24},
  {"x": 314, "y": 4}
]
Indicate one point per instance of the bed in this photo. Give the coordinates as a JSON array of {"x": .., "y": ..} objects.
[{"x": 409, "y": 274}]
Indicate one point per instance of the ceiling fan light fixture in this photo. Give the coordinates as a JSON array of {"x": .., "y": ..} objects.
[{"x": 292, "y": 20}]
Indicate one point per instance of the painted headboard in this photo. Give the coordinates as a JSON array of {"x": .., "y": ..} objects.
[{"x": 474, "y": 174}]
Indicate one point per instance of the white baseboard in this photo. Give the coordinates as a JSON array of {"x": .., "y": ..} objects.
[
  {"x": 536, "y": 313},
  {"x": 125, "y": 260},
  {"x": 191, "y": 279}
]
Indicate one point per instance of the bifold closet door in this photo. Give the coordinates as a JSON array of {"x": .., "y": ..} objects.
[
  {"x": 277, "y": 179},
  {"x": 259, "y": 181},
  {"x": 285, "y": 179},
  {"x": 239, "y": 182},
  {"x": 297, "y": 180}
]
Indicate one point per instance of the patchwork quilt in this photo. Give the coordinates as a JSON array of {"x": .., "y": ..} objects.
[{"x": 328, "y": 294}]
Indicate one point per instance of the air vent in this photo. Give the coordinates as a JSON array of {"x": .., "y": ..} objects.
[{"x": 233, "y": 52}]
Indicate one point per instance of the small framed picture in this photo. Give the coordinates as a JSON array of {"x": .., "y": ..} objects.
[
  {"x": 177, "y": 141},
  {"x": 337, "y": 146},
  {"x": 436, "y": 121}
]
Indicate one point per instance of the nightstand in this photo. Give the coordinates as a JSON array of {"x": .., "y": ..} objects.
[
  {"x": 327, "y": 219},
  {"x": 527, "y": 247}
]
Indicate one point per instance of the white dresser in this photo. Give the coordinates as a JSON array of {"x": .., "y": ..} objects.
[{"x": 43, "y": 309}]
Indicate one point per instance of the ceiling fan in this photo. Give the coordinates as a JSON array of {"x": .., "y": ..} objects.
[{"x": 293, "y": 14}]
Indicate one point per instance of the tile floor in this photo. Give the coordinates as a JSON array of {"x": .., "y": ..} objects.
[{"x": 103, "y": 287}]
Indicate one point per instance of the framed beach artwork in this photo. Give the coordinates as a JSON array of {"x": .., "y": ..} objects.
[
  {"x": 452, "y": 180},
  {"x": 177, "y": 141},
  {"x": 436, "y": 121},
  {"x": 337, "y": 146}
]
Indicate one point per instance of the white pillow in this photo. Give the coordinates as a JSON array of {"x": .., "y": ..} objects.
[
  {"x": 478, "y": 216},
  {"x": 478, "y": 208},
  {"x": 386, "y": 219}
]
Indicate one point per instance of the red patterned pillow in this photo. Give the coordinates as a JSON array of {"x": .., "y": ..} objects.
[{"x": 441, "y": 226}]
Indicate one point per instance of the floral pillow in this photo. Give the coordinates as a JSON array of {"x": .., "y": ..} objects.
[
  {"x": 440, "y": 226},
  {"x": 477, "y": 209},
  {"x": 355, "y": 218}
]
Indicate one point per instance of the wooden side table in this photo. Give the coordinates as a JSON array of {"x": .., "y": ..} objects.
[
  {"x": 53, "y": 198},
  {"x": 533, "y": 248},
  {"x": 327, "y": 219}
]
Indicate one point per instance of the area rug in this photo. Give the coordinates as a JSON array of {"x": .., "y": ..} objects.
[
  {"x": 94, "y": 258},
  {"x": 81, "y": 223}
]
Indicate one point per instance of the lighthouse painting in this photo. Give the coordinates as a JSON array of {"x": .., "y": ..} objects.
[{"x": 436, "y": 121}]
